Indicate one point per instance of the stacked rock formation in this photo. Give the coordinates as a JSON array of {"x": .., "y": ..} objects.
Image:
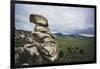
[
  {"x": 43, "y": 44},
  {"x": 43, "y": 38}
]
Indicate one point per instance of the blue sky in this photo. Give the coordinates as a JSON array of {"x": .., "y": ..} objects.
[{"x": 61, "y": 19}]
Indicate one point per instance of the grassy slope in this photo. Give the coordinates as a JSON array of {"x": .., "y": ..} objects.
[
  {"x": 77, "y": 49},
  {"x": 74, "y": 49}
]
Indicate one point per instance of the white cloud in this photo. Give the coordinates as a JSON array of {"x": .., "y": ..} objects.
[{"x": 61, "y": 19}]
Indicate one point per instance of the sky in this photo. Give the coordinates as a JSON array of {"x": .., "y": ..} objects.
[{"x": 66, "y": 20}]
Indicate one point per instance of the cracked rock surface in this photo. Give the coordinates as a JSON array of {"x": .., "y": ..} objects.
[{"x": 42, "y": 47}]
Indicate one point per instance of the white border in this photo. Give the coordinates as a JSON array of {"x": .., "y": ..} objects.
[{"x": 5, "y": 34}]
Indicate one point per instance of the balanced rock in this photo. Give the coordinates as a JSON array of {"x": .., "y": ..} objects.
[
  {"x": 39, "y": 20},
  {"x": 44, "y": 39},
  {"x": 43, "y": 47}
]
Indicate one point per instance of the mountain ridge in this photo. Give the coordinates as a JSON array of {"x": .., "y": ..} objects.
[{"x": 57, "y": 34}]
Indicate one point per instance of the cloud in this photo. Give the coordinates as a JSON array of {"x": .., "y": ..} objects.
[{"x": 61, "y": 19}]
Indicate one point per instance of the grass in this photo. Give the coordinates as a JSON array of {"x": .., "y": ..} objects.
[
  {"x": 74, "y": 49},
  {"x": 77, "y": 49}
]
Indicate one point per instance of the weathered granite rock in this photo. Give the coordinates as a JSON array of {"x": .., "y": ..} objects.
[
  {"x": 43, "y": 29},
  {"x": 39, "y": 20},
  {"x": 28, "y": 54},
  {"x": 44, "y": 39},
  {"x": 43, "y": 47},
  {"x": 31, "y": 49}
]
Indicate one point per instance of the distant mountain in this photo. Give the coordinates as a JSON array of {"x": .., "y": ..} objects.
[
  {"x": 74, "y": 35},
  {"x": 59, "y": 34},
  {"x": 21, "y": 34}
]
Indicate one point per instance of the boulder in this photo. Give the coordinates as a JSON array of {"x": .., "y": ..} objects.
[
  {"x": 49, "y": 48},
  {"x": 43, "y": 29},
  {"x": 43, "y": 47},
  {"x": 27, "y": 55},
  {"x": 43, "y": 38},
  {"x": 39, "y": 20}
]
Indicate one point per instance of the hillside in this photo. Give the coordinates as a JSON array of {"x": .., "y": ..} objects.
[{"x": 75, "y": 49}]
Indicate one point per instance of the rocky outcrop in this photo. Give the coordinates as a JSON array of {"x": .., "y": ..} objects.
[
  {"x": 43, "y": 38},
  {"x": 43, "y": 46}
]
